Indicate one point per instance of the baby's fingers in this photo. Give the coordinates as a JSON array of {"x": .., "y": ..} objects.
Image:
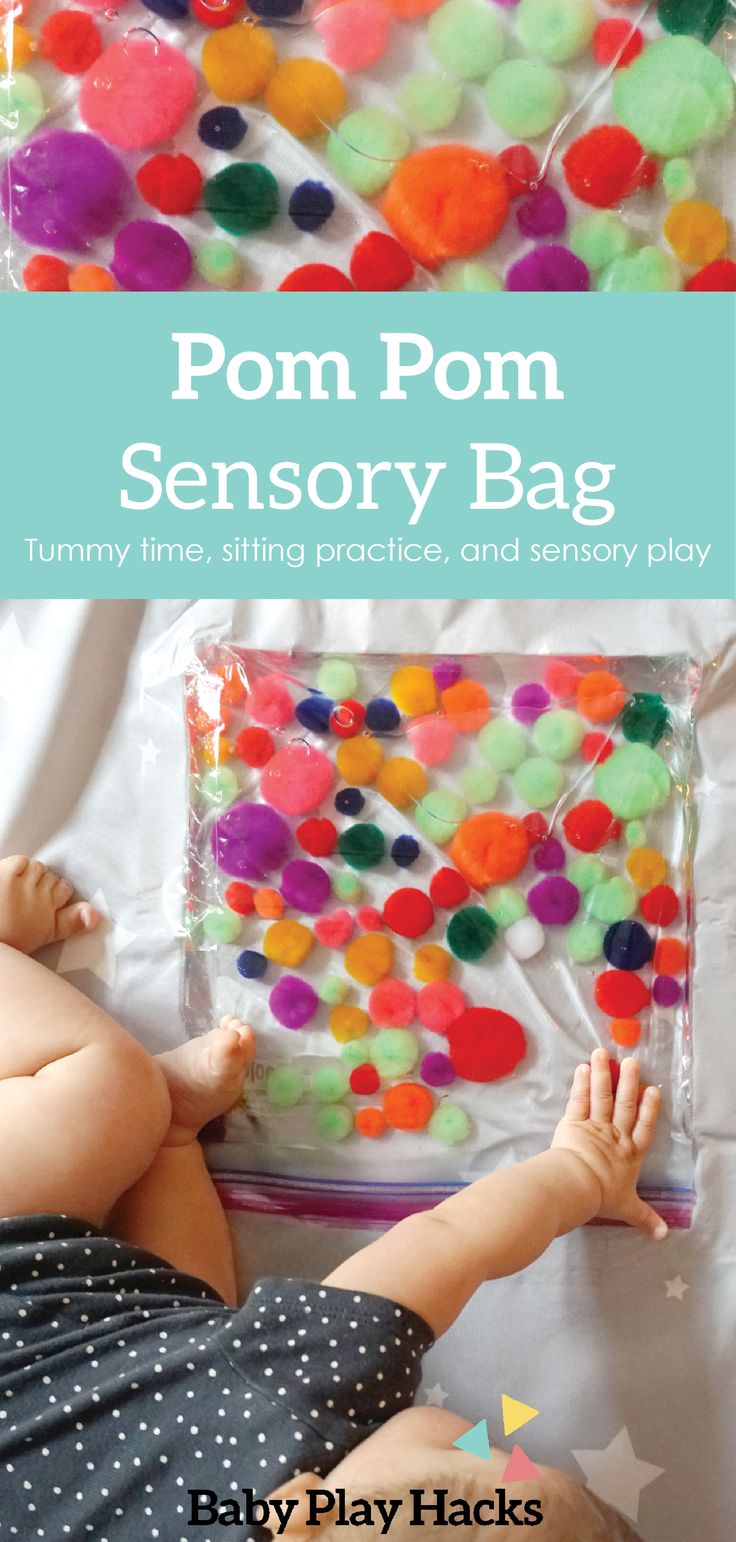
[
  {"x": 645, "y": 1219},
  {"x": 642, "y": 1134},
  {"x": 627, "y": 1096},
  {"x": 601, "y": 1092},
  {"x": 578, "y": 1106}
]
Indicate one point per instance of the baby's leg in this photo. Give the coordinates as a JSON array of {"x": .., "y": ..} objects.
[{"x": 83, "y": 1107}]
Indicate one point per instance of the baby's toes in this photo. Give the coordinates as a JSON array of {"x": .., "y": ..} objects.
[
  {"x": 246, "y": 1037},
  {"x": 61, "y": 890},
  {"x": 73, "y": 919}
]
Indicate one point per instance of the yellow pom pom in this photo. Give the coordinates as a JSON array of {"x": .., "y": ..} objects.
[
  {"x": 697, "y": 232},
  {"x": 401, "y": 781},
  {"x": 288, "y": 943},
  {"x": 359, "y": 760},
  {"x": 306, "y": 97},
  {"x": 348, "y": 1023},
  {"x": 238, "y": 62},
  {"x": 21, "y": 51},
  {"x": 414, "y": 690},
  {"x": 646, "y": 867},
  {"x": 369, "y": 959},
  {"x": 431, "y": 962}
]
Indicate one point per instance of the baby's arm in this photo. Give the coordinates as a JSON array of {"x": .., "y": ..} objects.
[{"x": 434, "y": 1262}]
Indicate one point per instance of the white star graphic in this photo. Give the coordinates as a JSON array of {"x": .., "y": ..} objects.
[
  {"x": 96, "y": 951},
  {"x": 435, "y": 1396},
  {"x": 617, "y": 1475},
  {"x": 149, "y": 753},
  {"x": 20, "y": 666},
  {"x": 676, "y": 1288}
]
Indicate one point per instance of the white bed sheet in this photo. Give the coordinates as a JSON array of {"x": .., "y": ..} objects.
[{"x": 593, "y": 1336}]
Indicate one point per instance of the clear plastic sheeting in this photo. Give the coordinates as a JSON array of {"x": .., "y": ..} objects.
[
  {"x": 368, "y": 144},
  {"x": 433, "y": 886}
]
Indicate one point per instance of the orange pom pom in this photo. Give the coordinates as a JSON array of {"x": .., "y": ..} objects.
[
  {"x": 670, "y": 956},
  {"x": 408, "y": 1106},
  {"x": 446, "y": 201},
  {"x": 600, "y": 696},
  {"x": 466, "y": 703},
  {"x": 370, "y": 1122},
  {"x": 490, "y": 848},
  {"x": 625, "y": 1031},
  {"x": 88, "y": 278},
  {"x": 269, "y": 904}
]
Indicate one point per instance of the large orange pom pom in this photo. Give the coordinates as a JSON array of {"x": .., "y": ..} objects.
[{"x": 446, "y": 201}]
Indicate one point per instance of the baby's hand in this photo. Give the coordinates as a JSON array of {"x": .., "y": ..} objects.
[{"x": 613, "y": 1137}]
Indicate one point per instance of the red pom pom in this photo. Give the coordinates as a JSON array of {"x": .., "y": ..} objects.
[
  {"x": 170, "y": 183},
  {"x": 614, "y": 34},
  {"x": 596, "y": 748},
  {"x": 254, "y": 746},
  {"x": 562, "y": 679},
  {"x": 364, "y": 1080},
  {"x": 589, "y": 826},
  {"x": 521, "y": 167},
  {"x": 719, "y": 275},
  {"x": 317, "y": 836},
  {"x": 660, "y": 906},
  {"x": 536, "y": 828},
  {"x": 314, "y": 277},
  {"x": 44, "y": 272},
  {"x": 239, "y": 897},
  {"x": 408, "y": 912},
  {"x": 379, "y": 262},
  {"x": 485, "y": 1044},
  {"x": 448, "y": 888},
  {"x": 606, "y": 165},
  {"x": 71, "y": 41},
  {"x": 621, "y": 993},
  {"x": 347, "y": 719},
  {"x": 216, "y": 13}
]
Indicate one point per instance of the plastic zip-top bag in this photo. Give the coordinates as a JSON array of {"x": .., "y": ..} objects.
[
  {"x": 433, "y": 886},
  {"x": 368, "y": 144}
]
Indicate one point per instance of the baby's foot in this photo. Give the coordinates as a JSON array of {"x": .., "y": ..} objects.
[
  {"x": 36, "y": 907},
  {"x": 206, "y": 1077}
]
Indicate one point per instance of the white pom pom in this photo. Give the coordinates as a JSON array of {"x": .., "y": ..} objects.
[{"x": 525, "y": 937}]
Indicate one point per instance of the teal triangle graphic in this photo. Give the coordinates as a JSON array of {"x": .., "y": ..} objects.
[{"x": 475, "y": 1441}]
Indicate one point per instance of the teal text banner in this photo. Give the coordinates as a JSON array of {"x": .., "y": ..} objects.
[{"x": 377, "y": 445}]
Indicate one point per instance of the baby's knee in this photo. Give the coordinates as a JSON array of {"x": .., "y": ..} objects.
[{"x": 135, "y": 1090}]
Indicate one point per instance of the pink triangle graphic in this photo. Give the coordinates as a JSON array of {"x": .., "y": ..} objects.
[{"x": 519, "y": 1467}]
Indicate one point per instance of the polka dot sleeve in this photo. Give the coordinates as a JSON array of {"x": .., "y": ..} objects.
[{"x": 339, "y": 1360}]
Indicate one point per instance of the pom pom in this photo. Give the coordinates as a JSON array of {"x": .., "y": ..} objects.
[
  {"x": 346, "y": 719},
  {"x": 297, "y": 778},
  {"x": 432, "y": 739},
  {"x": 89, "y": 278},
  {"x": 394, "y": 1052},
  {"x": 305, "y": 96},
  {"x": 252, "y": 965},
  {"x": 249, "y": 841},
  {"x": 305, "y": 886},
  {"x": 288, "y": 943},
  {"x": 470, "y": 933},
  {"x": 646, "y": 867},
  {"x": 431, "y": 962},
  {"x": 330, "y": 1083},
  {"x": 666, "y": 991},
  {"x": 361, "y": 846},
  {"x": 333, "y": 1122},
  {"x": 439, "y": 815},
  {"x": 549, "y": 855},
  {"x": 660, "y": 907},
  {"x": 269, "y": 904},
  {"x": 382, "y": 716},
  {"x": 543, "y": 213},
  {"x": 600, "y": 696},
  {"x": 63, "y": 190},
  {"x": 317, "y": 836},
  {"x": 490, "y": 848},
  {"x": 170, "y": 183},
  {"x": 408, "y": 1106},
  {"x": 370, "y": 1122},
  {"x": 485, "y": 1044},
  {"x": 590, "y": 825},
  {"x": 414, "y": 690},
  {"x": 448, "y": 888},
  {"x": 378, "y": 261},
  {"x": 539, "y": 782},
  {"x": 548, "y": 270},
  {"x": 45, "y": 274},
  {"x": 355, "y": 33},
  {"x": 218, "y": 263},
  {"x": 715, "y": 276},
  {"x": 391, "y": 1004},
  {"x": 676, "y": 95},
  {"x": 285, "y": 1086},
  {"x": 222, "y": 128},
  {"x": 138, "y": 93},
  {"x": 333, "y": 930},
  {"x": 405, "y": 850},
  {"x": 596, "y": 747},
  {"x": 632, "y": 781},
  {"x": 239, "y": 897},
  {"x": 619, "y": 993},
  {"x": 503, "y": 744},
  {"x": 238, "y": 61},
  {"x": 521, "y": 167},
  {"x": 369, "y": 959},
  {"x": 349, "y": 800},
  {"x": 242, "y": 198},
  {"x": 525, "y": 97},
  {"x": 70, "y": 40},
  {"x": 645, "y": 719},
  {"x": 310, "y": 206},
  {"x": 554, "y": 901},
  {"x": 606, "y": 165},
  {"x": 436, "y": 1069},
  {"x": 150, "y": 257},
  {"x": 529, "y": 702},
  {"x": 369, "y": 918},
  {"x": 449, "y": 1124},
  {"x": 466, "y": 704},
  {"x": 315, "y": 278},
  {"x": 585, "y": 941},
  {"x": 293, "y": 1002},
  {"x": 628, "y": 945},
  {"x": 670, "y": 956},
  {"x": 365, "y": 148},
  {"x": 617, "y": 42},
  {"x": 466, "y": 38},
  {"x": 364, "y": 1081},
  {"x": 556, "y": 32},
  {"x": 439, "y": 1004},
  {"x": 446, "y": 201},
  {"x": 254, "y": 746},
  {"x": 216, "y": 13},
  {"x": 401, "y": 781},
  {"x": 348, "y": 1023},
  {"x": 314, "y": 713},
  {"x": 408, "y": 912}
]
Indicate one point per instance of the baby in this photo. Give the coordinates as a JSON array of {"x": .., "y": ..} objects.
[{"x": 137, "y": 1400}]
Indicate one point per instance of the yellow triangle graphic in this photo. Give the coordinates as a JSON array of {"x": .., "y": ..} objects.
[{"x": 515, "y": 1414}]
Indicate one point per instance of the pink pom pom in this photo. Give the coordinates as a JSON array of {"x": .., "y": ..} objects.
[
  {"x": 138, "y": 92},
  {"x": 354, "y": 33}
]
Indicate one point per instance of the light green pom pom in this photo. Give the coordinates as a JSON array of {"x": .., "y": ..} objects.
[
  {"x": 613, "y": 900},
  {"x": 632, "y": 781},
  {"x": 466, "y": 38},
  {"x": 585, "y": 941},
  {"x": 330, "y": 1083},
  {"x": 470, "y": 278},
  {"x": 218, "y": 263},
  {"x": 678, "y": 179},
  {"x": 558, "y": 734},
  {"x": 676, "y": 95},
  {"x": 598, "y": 239},
  {"x": 221, "y": 925},
  {"x": 539, "y": 782},
  {"x": 21, "y": 106},
  {"x": 333, "y": 989},
  {"x": 558, "y": 30},
  {"x": 479, "y": 784},
  {"x": 503, "y": 744},
  {"x": 635, "y": 834},
  {"x": 337, "y": 678},
  {"x": 355, "y": 1052},
  {"x": 525, "y": 97},
  {"x": 365, "y": 148},
  {"x": 430, "y": 102},
  {"x": 333, "y": 1122},
  {"x": 394, "y": 1052},
  {"x": 347, "y": 886},
  {"x": 586, "y": 872},
  {"x": 450, "y": 1124},
  {"x": 439, "y": 814},
  {"x": 220, "y": 787},
  {"x": 285, "y": 1086},
  {"x": 505, "y": 905},
  {"x": 647, "y": 271}
]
